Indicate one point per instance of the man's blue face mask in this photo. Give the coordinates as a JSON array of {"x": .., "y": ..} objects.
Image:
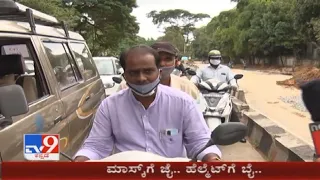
[{"x": 145, "y": 89}]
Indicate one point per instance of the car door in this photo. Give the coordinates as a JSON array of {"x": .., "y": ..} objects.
[
  {"x": 90, "y": 94},
  {"x": 69, "y": 81},
  {"x": 45, "y": 106}
]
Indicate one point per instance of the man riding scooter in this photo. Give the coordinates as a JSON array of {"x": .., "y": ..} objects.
[{"x": 220, "y": 72}]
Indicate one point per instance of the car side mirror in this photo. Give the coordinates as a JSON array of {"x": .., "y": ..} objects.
[
  {"x": 238, "y": 76},
  {"x": 117, "y": 80},
  {"x": 13, "y": 102}
]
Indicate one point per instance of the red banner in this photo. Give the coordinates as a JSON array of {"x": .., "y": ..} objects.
[{"x": 157, "y": 170}]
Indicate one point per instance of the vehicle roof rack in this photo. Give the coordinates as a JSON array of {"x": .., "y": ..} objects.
[{"x": 23, "y": 13}]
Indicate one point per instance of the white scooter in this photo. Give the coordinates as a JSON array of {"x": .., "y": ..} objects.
[
  {"x": 217, "y": 104},
  {"x": 225, "y": 134},
  {"x": 218, "y": 98}
]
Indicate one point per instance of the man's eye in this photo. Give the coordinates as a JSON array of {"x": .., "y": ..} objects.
[
  {"x": 133, "y": 73},
  {"x": 148, "y": 71}
]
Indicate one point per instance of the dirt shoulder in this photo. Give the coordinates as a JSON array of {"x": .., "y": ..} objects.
[{"x": 281, "y": 104}]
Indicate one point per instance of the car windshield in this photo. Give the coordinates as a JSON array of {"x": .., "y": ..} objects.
[{"x": 105, "y": 66}]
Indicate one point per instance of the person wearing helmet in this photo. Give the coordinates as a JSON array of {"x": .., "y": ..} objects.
[
  {"x": 168, "y": 57},
  {"x": 220, "y": 72},
  {"x": 215, "y": 71}
]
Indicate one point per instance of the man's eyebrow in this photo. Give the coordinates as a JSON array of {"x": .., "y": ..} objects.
[{"x": 141, "y": 69}]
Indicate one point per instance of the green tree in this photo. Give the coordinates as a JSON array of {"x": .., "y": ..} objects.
[
  {"x": 173, "y": 35},
  {"x": 105, "y": 24},
  {"x": 177, "y": 20},
  {"x": 263, "y": 29}
]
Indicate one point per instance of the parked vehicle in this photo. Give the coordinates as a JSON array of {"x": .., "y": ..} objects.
[
  {"x": 57, "y": 93},
  {"x": 108, "y": 67},
  {"x": 218, "y": 102}
]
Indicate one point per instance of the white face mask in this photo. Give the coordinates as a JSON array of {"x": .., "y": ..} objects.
[{"x": 215, "y": 62}]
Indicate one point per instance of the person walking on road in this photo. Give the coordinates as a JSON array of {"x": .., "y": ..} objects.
[{"x": 220, "y": 72}]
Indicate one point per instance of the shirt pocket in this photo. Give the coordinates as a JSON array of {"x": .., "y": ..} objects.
[
  {"x": 173, "y": 139},
  {"x": 223, "y": 74},
  {"x": 172, "y": 145}
]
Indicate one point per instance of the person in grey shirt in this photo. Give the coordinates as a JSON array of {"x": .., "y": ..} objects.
[
  {"x": 220, "y": 72},
  {"x": 215, "y": 71},
  {"x": 147, "y": 116}
]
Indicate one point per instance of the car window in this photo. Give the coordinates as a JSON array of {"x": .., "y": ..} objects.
[
  {"x": 84, "y": 59},
  {"x": 61, "y": 64},
  {"x": 104, "y": 66},
  {"x": 31, "y": 80},
  {"x": 23, "y": 50}
]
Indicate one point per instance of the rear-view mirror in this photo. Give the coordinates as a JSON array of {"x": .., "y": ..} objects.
[
  {"x": 13, "y": 102},
  {"x": 238, "y": 76},
  {"x": 191, "y": 72},
  {"x": 228, "y": 133},
  {"x": 117, "y": 80}
]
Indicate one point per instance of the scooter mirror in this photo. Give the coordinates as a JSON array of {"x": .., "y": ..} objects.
[
  {"x": 116, "y": 80},
  {"x": 191, "y": 72},
  {"x": 238, "y": 76},
  {"x": 228, "y": 133}
]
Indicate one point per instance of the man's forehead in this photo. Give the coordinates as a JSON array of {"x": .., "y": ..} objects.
[
  {"x": 162, "y": 54},
  {"x": 141, "y": 68}
]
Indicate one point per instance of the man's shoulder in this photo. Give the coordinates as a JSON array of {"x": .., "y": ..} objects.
[
  {"x": 121, "y": 94},
  {"x": 174, "y": 93},
  {"x": 205, "y": 67},
  {"x": 222, "y": 66},
  {"x": 185, "y": 82}
]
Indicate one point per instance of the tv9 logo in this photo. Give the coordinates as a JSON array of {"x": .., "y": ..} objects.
[{"x": 42, "y": 147}]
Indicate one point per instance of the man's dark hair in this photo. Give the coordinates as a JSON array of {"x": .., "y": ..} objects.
[{"x": 142, "y": 48}]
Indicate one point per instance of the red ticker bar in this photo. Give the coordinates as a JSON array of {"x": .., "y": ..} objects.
[{"x": 173, "y": 170}]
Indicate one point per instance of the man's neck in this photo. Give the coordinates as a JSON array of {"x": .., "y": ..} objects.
[
  {"x": 215, "y": 67},
  {"x": 145, "y": 101},
  {"x": 166, "y": 81}
]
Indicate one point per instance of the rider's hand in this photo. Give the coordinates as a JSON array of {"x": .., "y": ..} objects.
[
  {"x": 211, "y": 158},
  {"x": 318, "y": 160},
  {"x": 81, "y": 159}
]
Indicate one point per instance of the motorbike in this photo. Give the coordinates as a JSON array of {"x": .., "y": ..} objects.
[
  {"x": 217, "y": 104},
  {"x": 224, "y": 134}
]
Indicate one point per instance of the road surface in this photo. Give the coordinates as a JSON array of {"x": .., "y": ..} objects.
[
  {"x": 264, "y": 95},
  {"x": 240, "y": 152}
]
